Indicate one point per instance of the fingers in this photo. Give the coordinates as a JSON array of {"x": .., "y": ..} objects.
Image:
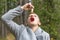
[
  {"x": 28, "y": 6},
  {"x": 31, "y": 5}
]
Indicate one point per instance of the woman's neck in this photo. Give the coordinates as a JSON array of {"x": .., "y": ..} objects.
[{"x": 34, "y": 28}]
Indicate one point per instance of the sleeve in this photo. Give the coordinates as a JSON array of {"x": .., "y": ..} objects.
[{"x": 7, "y": 17}]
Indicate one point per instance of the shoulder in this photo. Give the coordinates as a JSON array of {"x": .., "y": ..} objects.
[
  {"x": 45, "y": 33},
  {"x": 40, "y": 31}
]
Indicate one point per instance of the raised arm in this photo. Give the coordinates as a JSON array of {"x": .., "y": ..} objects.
[{"x": 8, "y": 17}]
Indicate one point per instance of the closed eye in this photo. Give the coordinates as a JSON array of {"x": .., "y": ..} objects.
[{"x": 34, "y": 15}]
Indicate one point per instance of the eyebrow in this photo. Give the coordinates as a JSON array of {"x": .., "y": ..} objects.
[{"x": 34, "y": 15}]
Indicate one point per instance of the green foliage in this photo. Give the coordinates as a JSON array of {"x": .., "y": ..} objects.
[{"x": 49, "y": 15}]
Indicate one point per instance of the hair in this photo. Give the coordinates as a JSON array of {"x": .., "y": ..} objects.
[{"x": 32, "y": 13}]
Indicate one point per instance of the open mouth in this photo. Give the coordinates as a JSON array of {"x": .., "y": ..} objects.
[{"x": 32, "y": 19}]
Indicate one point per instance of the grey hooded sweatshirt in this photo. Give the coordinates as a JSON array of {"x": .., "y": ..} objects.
[{"x": 22, "y": 32}]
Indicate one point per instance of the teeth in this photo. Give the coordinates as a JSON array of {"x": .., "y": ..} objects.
[{"x": 32, "y": 19}]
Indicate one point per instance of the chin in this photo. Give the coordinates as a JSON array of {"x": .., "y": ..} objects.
[{"x": 33, "y": 24}]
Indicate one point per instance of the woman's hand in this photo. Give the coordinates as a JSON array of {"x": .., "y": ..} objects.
[{"x": 27, "y": 6}]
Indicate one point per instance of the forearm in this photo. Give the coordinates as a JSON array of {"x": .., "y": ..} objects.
[{"x": 12, "y": 13}]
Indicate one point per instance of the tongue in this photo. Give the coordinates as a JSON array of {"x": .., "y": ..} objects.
[{"x": 32, "y": 19}]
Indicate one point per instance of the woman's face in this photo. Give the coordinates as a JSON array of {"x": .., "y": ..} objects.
[{"x": 33, "y": 19}]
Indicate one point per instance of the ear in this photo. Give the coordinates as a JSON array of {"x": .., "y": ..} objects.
[{"x": 39, "y": 23}]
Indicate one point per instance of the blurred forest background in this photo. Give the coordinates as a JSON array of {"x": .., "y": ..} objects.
[{"x": 48, "y": 11}]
